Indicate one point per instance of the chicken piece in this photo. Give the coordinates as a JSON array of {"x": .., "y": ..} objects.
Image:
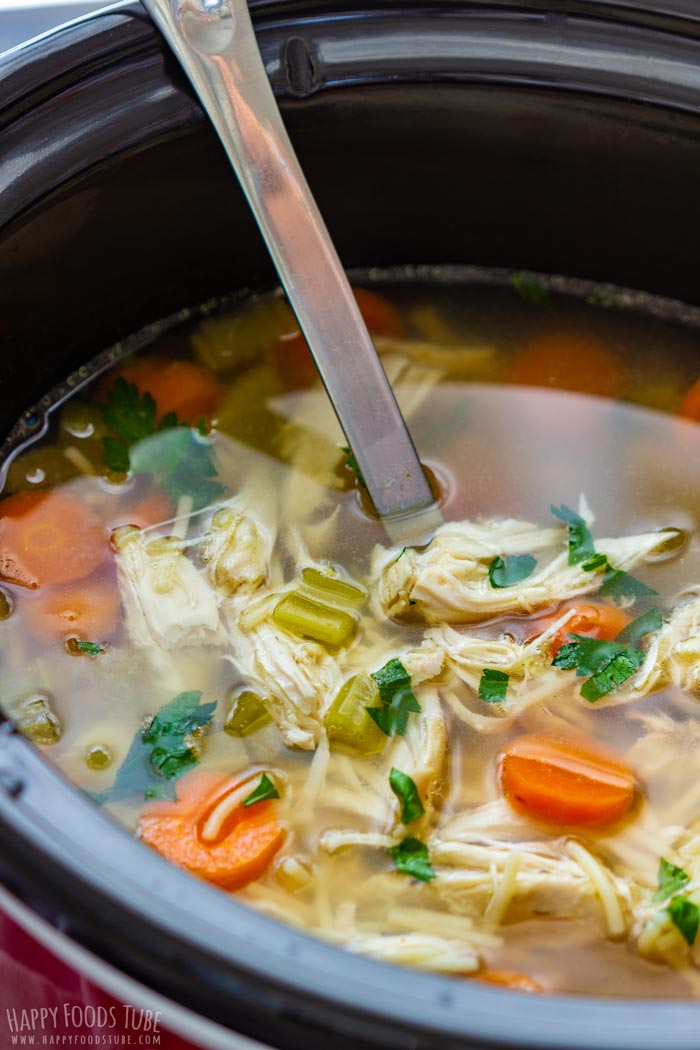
[
  {"x": 448, "y": 582},
  {"x": 437, "y": 954},
  {"x": 167, "y": 602},
  {"x": 237, "y": 552},
  {"x": 297, "y": 678}
]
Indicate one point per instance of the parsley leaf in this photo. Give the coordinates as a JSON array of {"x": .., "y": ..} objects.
[
  {"x": 609, "y": 664},
  {"x": 530, "y": 289},
  {"x": 619, "y": 584},
  {"x": 177, "y": 455},
  {"x": 685, "y": 916},
  {"x": 397, "y": 699},
  {"x": 401, "y": 554},
  {"x": 407, "y": 794},
  {"x": 411, "y": 857},
  {"x": 598, "y": 561},
  {"x": 265, "y": 789},
  {"x": 91, "y": 648},
  {"x": 652, "y": 620},
  {"x": 670, "y": 879},
  {"x": 160, "y": 750},
  {"x": 352, "y": 464},
  {"x": 493, "y": 686},
  {"x": 506, "y": 572},
  {"x": 581, "y": 546}
]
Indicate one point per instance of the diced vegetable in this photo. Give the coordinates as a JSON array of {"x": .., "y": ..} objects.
[
  {"x": 6, "y": 605},
  {"x": 333, "y": 588},
  {"x": 183, "y": 387},
  {"x": 85, "y": 610},
  {"x": 347, "y": 722},
  {"x": 49, "y": 537},
  {"x": 570, "y": 781},
  {"x": 311, "y": 619},
  {"x": 35, "y": 718},
  {"x": 568, "y": 361},
  {"x": 98, "y": 757},
  {"x": 248, "y": 714},
  {"x": 228, "y": 343},
  {"x": 238, "y": 849},
  {"x": 516, "y": 982},
  {"x": 690, "y": 405},
  {"x": 589, "y": 619}
]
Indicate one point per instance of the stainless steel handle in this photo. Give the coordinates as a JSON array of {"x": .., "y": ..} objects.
[{"x": 215, "y": 43}]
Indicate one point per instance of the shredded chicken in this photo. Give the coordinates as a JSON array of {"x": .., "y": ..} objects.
[{"x": 448, "y": 582}]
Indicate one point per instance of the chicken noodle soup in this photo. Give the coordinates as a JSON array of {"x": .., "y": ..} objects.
[{"x": 480, "y": 757}]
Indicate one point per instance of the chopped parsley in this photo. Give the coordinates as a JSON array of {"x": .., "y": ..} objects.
[
  {"x": 685, "y": 916},
  {"x": 598, "y": 561},
  {"x": 265, "y": 789},
  {"x": 407, "y": 793},
  {"x": 75, "y": 646},
  {"x": 651, "y": 620},
  {"x": 619, "y": 584},
  {"x": 161, "y": 751},
  {"x": 671, "y": 879},
  {"x": 493, "y": 686},
  {"x": 411, "y": 857},
  {"x": 530, "y": 289},
  {"x": 178, "y": 456},
  {"x": 352, "y": 464},
  {"x": 581, "y": 545},
  {"x": 504, "y": 572},
  {"x": 397, "y": 699},
  {"x": 608, "y": 663},
  {"x": 401, "y": 554}
]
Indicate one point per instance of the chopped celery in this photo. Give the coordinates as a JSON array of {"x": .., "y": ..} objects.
[
  {"x": 248, "y": 714},
  {"x": 6, "y": 606},
  {"x": 37, "y": 721},
  {"x": 333, "y": 588},
  {"x": 311, "y": 619},
  {"x": 98, "y": 757},
  {"x": 347, "y": 722}
]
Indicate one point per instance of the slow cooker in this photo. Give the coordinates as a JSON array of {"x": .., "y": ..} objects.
[{"x": 557, "y": 137}]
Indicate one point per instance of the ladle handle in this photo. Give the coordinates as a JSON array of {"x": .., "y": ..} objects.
[{"x": 215, "y": 42}]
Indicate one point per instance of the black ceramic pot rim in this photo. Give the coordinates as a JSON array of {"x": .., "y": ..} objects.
[{"x": 58, "y": 852}]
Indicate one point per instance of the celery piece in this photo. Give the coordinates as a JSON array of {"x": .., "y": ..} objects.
[
  {"x": 311, "y": 619},
  {"x": 332, "y": 588},
  {"x": 248, "y": 714},
  {"x": 36, "y": 720},
  {"x": 347, "y": 723}
]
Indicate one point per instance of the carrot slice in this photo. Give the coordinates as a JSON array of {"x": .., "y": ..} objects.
[
  {"x": 49, "y": 537},
  {"x": 87, "y": 610},
  {"x": 241, "y": 847},
  {"x": 517, "y": 982},
  {"x": 293, "y": 358},
  {"x": 569, "y": 362},
  {"x": 690, "y": 405},
  {"x": 561, "y": 780},
  {"x": 183, "y": 387},
  {"x": 591, "y": 619}
]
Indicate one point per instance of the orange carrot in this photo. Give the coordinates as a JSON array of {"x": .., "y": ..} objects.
[
  {"x": 293, "y": 357},
  {"x": 183, "y": 387},
  {"x": 49, "y": 537},
  {"x": 239, "y": 850},
  {"x": 151, "y": 510},
  {"x": 517, "y": 982},
  {"x": 87, "y": 610},
  {"x": 690, "y": 405},
  {"x": 591, "y": 619},
  {"x": 566, "y": 361},
  {"x": 560, "y": 780}
]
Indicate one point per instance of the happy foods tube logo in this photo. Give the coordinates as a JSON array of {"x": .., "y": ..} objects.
[{"x": 73, "y": 1025}]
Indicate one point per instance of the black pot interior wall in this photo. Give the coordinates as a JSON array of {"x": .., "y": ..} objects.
[{"x": 423, "y": 173}]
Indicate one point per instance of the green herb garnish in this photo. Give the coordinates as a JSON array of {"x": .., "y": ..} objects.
[
  {"x": 352, "y": 464},
  {"x": 396, "y": 695},
  {"x": 178, "y": 456},
  {"x": 608, "y": 663},
  {"x": 90, "y": 648},
  {"x": 401, "y": 554},
  {"x": 671, "y": 879},
  {"x": 530, "y": 289},
  {"x": 504, "y": 572},
  {"x": 407, "y": 793},
  {"x": 598, "y": 561},
  {"x": 685, "y": 916},
  {"x": 619, "y": 584},
  {"x": 265, "y": 789},
  {"x": 160, "y": 751},
  {"x": 411, "y": 857},
  {"x": 650, "y": 621},
  {"x": 581, "y": 545},
  {"x": 493, "y": 686}
]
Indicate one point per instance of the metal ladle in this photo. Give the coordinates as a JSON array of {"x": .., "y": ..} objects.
[{"x": 215, "y": 44}]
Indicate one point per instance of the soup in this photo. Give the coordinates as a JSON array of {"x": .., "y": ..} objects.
[{"x": 479, "y": 757}]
